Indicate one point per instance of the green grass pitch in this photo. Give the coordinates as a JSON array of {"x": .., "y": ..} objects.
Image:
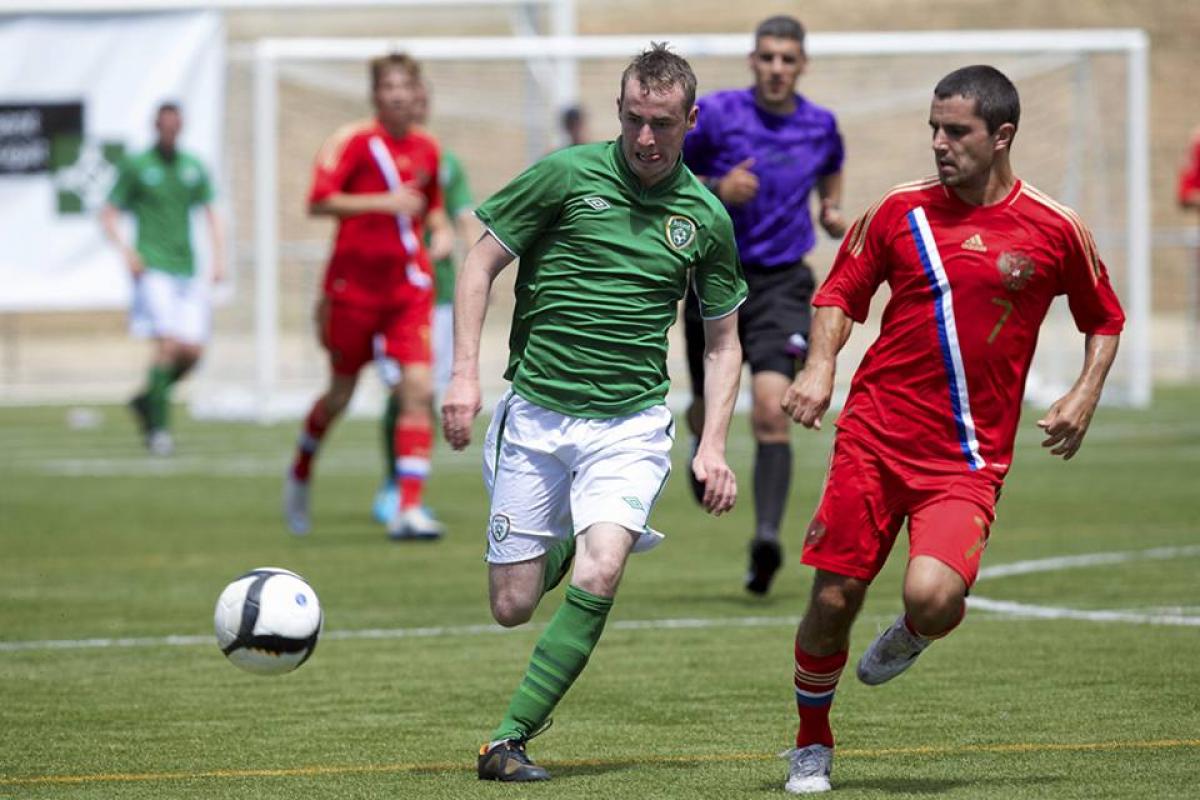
[{"x": 98, "y": 541}]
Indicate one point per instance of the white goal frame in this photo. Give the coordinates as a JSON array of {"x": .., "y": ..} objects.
[{"x": 562, "y": 52}]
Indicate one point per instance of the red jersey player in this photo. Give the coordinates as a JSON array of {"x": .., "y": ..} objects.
[
  {"x": 379, "y": 179},
  {"x": 1189, "y": 176},
  {"x": 973, "y": 258}
]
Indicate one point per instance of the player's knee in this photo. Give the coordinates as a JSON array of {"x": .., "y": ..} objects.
[
  {"x": 511, "y": 610},
  {"x": 768, "y": 422},
  {"x": 933, "y": 607},
  {"x": 834, "y": 606},
  {"x": 599, "y": 574},
  {"x": 337, "y": 398},
  {"x": 416, "y": 392}
]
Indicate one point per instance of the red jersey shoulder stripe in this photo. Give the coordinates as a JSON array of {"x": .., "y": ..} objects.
[
  {"x": 335, "y": 145},
  {"x": 1080, "y": 230},
  {"x": 858, "y": 233}
]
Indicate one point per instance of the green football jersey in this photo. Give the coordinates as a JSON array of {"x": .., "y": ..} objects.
[
  {"x": 456, "y": 196},
  {"x": 604, "y": 263},
  {"x": 160, "y": 194}
]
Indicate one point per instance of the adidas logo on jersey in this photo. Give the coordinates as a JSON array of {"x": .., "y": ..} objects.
[{"x": 975, "y": 242}]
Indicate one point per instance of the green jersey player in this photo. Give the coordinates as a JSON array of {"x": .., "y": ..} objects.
[
  {"x": 171, "y": 304},
  {"x": 608, "y": 234}
]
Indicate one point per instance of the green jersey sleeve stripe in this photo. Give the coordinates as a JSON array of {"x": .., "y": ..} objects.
[
  {"x": 500, "y": 240},
  {"x": 720, "y": 314}
]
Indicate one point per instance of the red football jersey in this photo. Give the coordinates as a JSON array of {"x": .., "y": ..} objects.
[
  {"x": 1189, "y": 176},
  {"x": 377, "y": 258},
  {"x": 941, "y": 387}
]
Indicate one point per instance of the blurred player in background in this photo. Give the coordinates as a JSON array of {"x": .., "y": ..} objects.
[
  {"x": 1189, "y": 198},
  {"x": 456, "y": 197},
  {"x": 575, "y": 126},
  {"x": 764, "y": 150},
  {"x": 379, "y": 178},
  {"x": 973, "y": 259},
  {"x": 171, "y": 302},
  {"x": 579, "y": 450},
  {"x": 1189, "y": 176}
]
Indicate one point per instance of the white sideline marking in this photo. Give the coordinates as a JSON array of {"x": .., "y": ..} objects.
[
  {"x": 1004, "y": 607},
  {"x": 1050, "y": 612},
  {"x": 1055, "y": 564},
  {"x": 1087, "y": 560},
  {"x": 399, "y": 633}
]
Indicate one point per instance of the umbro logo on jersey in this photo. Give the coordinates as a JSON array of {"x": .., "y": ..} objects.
[
  {"x": 975, "y": 242},
  {"x": 598, "y": 203}
]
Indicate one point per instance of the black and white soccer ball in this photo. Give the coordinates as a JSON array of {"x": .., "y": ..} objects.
[{"x": 268, "y": 621}]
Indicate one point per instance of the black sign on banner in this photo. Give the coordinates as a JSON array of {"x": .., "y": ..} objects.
[{"x": 28, "y": 130}]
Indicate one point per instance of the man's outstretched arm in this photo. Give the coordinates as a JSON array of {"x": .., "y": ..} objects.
[
  {"x": 807, "y": 399},
  {"x": 1067, "y": 421},
  {"x": 722, "y": 374},
  {"x": 463, "y": 399}
]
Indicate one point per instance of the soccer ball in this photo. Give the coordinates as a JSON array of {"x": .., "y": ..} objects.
[{"x": 268, "y": 621}]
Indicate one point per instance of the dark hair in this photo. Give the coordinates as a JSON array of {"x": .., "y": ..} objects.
[
  {"x": 660, "y": 70},
  {"x": 780, "y": 27},
  {"x": 167, "y": 107},
  {"x": 571, "y": 117},
  {"x": 402, "y": 61},
  {"x": 996, "y": 100}
]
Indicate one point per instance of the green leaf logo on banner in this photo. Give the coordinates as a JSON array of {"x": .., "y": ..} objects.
[{"x": 83, "y": 171}]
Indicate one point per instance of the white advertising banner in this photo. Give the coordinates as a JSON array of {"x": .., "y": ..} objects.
[{"x": 78, "y": 93}]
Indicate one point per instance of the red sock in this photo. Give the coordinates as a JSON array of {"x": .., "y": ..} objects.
[
  {"x": 414, "y": 440},
  {"x": 315, "y": 425},
  {"x": 816, "y": 680}
]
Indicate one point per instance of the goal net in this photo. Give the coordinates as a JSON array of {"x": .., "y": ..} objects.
[{"x": 496, "y": 104}]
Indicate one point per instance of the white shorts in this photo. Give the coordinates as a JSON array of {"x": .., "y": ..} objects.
[
  {"x": 551, "y": 476},
  {"x": 443, "y": 346},
  {"x": 167, "y": 306}
]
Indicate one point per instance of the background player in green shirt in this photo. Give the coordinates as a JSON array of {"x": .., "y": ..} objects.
[
  {"x": 171, "y": 302},
  {"x": 458, "y": 202},
  {"x": 578, "y": 451}
]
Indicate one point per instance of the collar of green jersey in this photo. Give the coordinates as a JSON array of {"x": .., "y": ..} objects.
[{"x": 668, "y": 183}]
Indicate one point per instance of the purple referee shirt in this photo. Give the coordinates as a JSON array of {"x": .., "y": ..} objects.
[{"x": 790, "y": 154}]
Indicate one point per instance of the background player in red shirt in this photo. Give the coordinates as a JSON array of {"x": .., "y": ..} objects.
[
  {"x": 379, "y": 179},
  {"x": 973, "y": 259},
  {"x": 1189, "y": 176}
]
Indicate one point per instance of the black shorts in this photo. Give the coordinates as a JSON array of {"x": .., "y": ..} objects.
[{"x": 777, "y": 308}]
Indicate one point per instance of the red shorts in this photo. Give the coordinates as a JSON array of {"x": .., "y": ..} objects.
[
  {"x": 866, "y": 498},
  {"x": 354, "y": 335}
]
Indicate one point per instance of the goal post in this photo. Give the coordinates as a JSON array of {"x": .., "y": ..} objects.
[{"x": 878, "y": 84}]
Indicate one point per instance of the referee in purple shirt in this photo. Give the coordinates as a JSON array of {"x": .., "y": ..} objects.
[{"x": 763, "y": 150}]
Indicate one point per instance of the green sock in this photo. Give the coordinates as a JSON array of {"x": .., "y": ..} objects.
[
  {"x": 390, "y": 413},
  {"x": 558, "y": 657},
  {"x": 158, "y": 393},
  {"x": 558, "y": 562},
  {"x": 178, "y": 369}
]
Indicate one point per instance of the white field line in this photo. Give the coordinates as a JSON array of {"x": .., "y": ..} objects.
[
  {"x": 1027, "y": 610},
  {"x": 401, "y": 633},
  {"x": 1051, "y": 612},
  {"x": 1003, "y": 607},
  {"x": 1086, "y": 560},
  {"x": 228, "y": 465}
]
